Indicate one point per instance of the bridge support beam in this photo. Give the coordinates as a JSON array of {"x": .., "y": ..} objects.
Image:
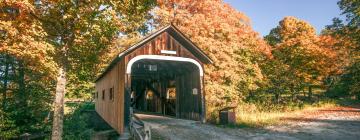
[
  {"x": 202, "y": 94},
  {"x": 127, "y": 100}
]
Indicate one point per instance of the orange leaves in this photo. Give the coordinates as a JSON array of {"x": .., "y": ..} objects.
[
  {"x": 25, "y": 38},
  {"x": 226, "y": 36},
  {"x": 336, "y": 55},
  {"x": 292, "y": 27},
  {"x": 15, "y": 10},
  {"x": 311, "y": 57}
]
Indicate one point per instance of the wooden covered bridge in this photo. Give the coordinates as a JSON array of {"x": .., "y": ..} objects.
[{"x": 163, "y": 74}]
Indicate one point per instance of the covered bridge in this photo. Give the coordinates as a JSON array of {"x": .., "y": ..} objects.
[{"x": 162, "y": 74}]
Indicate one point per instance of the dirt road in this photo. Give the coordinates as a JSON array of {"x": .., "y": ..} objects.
[{"x": 340, "y": 123}]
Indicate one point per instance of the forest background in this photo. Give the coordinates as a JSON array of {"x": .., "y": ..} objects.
[{"x": 51, "y": 52}]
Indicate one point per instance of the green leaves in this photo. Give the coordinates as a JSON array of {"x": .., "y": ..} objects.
[
  {"x": 351, "y": 8},
  {"x": 75, "y": 35},
  {"x": 348, "y": 35},
  {"x": 83, "y": 33}
]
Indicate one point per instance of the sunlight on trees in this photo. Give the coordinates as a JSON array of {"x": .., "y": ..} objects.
[
  {"x": 226, "y": 36},
  {"x": 49, "y": 48}
]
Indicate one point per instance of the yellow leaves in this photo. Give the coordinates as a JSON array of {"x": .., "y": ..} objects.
[
  {"x": 292, "y": 27},
  {"x": 25, "y": 39},
  {"x": 310, "y": 57},
  {"x": 68, "y": 16}
]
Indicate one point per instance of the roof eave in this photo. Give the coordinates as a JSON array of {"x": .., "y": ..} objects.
[{"x": 204, "y": 58}]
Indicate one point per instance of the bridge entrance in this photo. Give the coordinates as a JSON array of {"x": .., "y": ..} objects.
[{"x": 166, "y": 87}]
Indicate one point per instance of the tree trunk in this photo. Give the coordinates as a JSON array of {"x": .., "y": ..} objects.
[
  {"x": 277, "y": 97},
  {"x": 22, "y": 96},
  {"x": 5, "y": 80},
  {"x": 22, "y": 90},
  {"x": 292, "y": 93},
  {"x": 57, "y": 128},
  {"x": 303, "y": 91},
  {"x": 310, "y": 92}
]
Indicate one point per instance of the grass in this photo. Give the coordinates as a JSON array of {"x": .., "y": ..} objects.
[{"x": 248, "y": 115}]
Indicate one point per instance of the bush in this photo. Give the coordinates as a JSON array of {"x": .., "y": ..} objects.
[
  {"x": 8, "y": 128},
  {"x": 77, "y": 124}
]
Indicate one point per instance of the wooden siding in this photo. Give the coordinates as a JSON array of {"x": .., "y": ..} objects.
[
  {"x": 188, "y": 106},
  {"x": 112, "y": 111},
  {"x": 163, "y": 42},
  {"x": 166, "y": 42}
]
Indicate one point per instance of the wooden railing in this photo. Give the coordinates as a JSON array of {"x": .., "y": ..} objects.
[{"x": 138, "y": 129}]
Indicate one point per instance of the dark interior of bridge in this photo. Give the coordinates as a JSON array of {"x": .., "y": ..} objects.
[{"x": 167, "y": 88}]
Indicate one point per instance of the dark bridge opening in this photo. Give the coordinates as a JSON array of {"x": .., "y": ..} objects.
[{"x": 166, "y": 87}]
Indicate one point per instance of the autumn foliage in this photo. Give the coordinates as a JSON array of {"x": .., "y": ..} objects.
[
  {"x": 312, "y": 57},
  {"x": 40, "y": 40},
  {"x": 226, "y": 36},
  {"x": 24, "y": 38}
]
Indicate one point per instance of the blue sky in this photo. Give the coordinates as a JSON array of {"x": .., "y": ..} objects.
[{"x": 266, "y": 14}]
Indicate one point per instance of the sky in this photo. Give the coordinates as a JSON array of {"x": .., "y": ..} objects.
[{"x": 266, "y": 14}]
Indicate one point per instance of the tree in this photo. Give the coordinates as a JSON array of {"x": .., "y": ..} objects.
[
  {"x": 82, "y": 32},
  {"x": 23, "y": 37},
  {"x": 351, "y": 31},
  {"x": 348, "y": 34},
  {"x": 67, "y": 39},
  {"x": 75, "y": 24},
  {"x": 310, "y": 57},
  {"x": 29, "y": 69},
  {"x": 352, "y": 11},
  {"x": 226, "y": 36},
  {"x": 28, "y": 98}
]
